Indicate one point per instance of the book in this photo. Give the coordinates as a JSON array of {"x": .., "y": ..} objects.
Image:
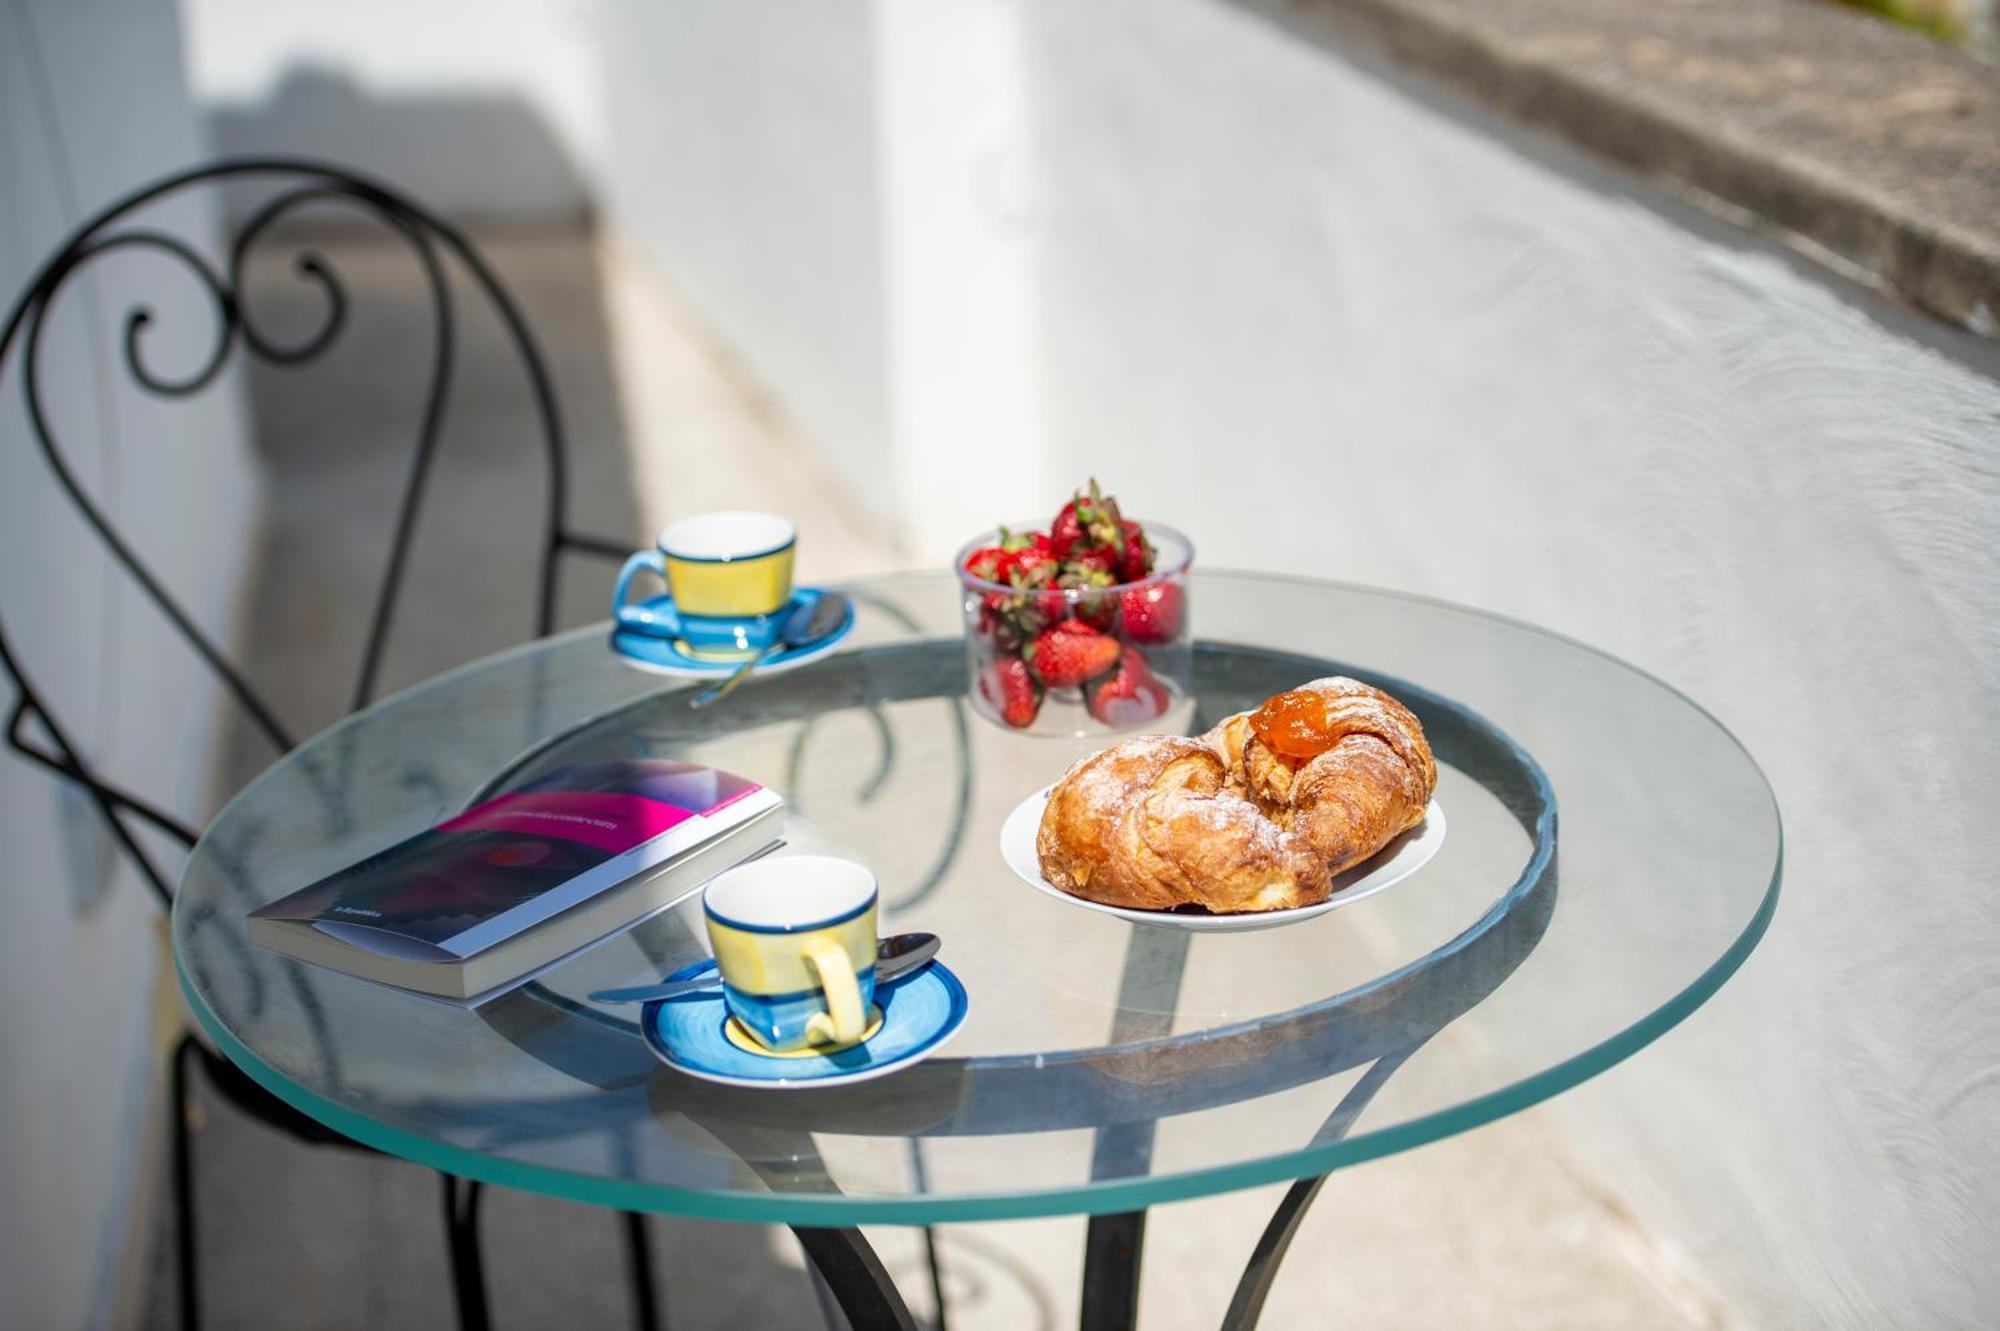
[{"x": 516, "y": 882}]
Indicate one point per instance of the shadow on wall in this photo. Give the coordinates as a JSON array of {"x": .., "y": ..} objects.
[
  {"x": 476, "y": 156},
  {"x": 336, "y": 434}
]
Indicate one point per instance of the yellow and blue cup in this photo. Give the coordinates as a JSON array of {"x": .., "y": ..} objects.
[
  {"x": 728, "y": 575},
  {"x": 794, "y": 939}
]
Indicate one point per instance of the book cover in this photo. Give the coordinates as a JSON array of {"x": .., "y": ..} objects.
[{"x": 513, "y": 862}]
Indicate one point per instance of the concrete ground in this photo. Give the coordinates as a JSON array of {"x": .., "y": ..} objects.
[{"x": 1490, "y": 1230}]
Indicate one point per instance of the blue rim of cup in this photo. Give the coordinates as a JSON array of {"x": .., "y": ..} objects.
[
  {"x": 660, "y": 543},
  {"x": 780, "y": 548},
  {"x": 827, "y": 923}
]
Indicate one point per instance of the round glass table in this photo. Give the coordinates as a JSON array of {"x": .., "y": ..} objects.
[{"x": 1105, "y": 1066}]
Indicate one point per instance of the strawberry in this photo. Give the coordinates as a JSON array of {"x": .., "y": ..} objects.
[
  {"x": 1015, "y": 550},
  {"x": 1026, "y": 540},
  {"x": 1013, "y": 619},
  {"x": 1009, "y": 685},
  {"x": 1153, "y": 613},
  {"x": 1094, "y": 604},
  {"x": 1093, "y": 559},
  {"x": 1135, "y": 552},
  {"x": 1088, "y": 520},
  {"x": 1066, "y": 531},
  {"x": 990, "y": 562},
  {"x": 1130, "y": 695},
  {"x": 1070, "y": 653},
  {"x": 1032, "y": 567},
  {"x": 1099, "y": 609},
  {"x": 1024, "y": 562},
  {"x": 993, "y": 607}
]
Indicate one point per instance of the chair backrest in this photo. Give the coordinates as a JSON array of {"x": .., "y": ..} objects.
[{"x": 288, "y": 184}]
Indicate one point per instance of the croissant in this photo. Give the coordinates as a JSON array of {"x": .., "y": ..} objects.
[
  {"x": 1369, "y": 781},
  {"x": 1151, "y": 823},
  {"x": 1258, "y": 814}
]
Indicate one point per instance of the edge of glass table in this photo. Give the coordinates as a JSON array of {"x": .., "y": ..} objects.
[{"x": 1095, "y": 1197}]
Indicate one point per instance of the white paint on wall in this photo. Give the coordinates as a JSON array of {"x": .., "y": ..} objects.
[
  {"x": 959, "y": 269},
  {"x": 1335, "y": 323},
  {"x": 845, "y": 190},
  {"x": 77, "y": 956},
  {"x": 746, "y": 138},
  {"x": 486, "y": 108}
]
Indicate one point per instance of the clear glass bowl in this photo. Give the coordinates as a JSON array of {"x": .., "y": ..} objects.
[{"x": 1025, "y": 644}]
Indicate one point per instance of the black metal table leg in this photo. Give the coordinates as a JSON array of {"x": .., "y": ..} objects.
[
  {"x": 468, "y": 1272},
  {"x": 639, "y": 1260},
  {"x": 1111, "y": 1248},
  {"x": 932, "y": 1253},
  {"x": 1247, "y": 1304},
  {"x": 1113, "y": 1244},
  {"x": 830, "y": 1312},
  {"x": 638, "y": 1248},
  {"x": 855, "y": 1274},
  {"x": 183, "y": 1162},
  {"x": 937, "y": 1278}
]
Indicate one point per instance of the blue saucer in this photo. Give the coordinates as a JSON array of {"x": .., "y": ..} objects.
[
  {"x": 645, "y": 634},
  {"x": 919, "y": 1013}
]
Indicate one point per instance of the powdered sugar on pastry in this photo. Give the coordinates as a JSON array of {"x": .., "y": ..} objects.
[
  {"x": 1229, "y": 822},
  {"x": 1148, "y": 824},
  {"x": 1227, "y": 815}
]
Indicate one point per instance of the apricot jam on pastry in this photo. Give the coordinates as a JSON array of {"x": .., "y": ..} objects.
[{"x": 1294, "y": 725}]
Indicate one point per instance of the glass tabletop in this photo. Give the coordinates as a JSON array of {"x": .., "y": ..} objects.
[{"x": 1612, "y": 856}]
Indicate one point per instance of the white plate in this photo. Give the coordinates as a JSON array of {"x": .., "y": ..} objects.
[{"x": 1388, "y": 866}]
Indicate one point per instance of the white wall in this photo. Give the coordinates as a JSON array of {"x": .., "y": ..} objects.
[
  {"x": 748, "y": 174},
  {"x": 79, "y": 946},
  {"x": 842, "y": 188},
  {"x": 1335, "y": 323},
  {"x": 962, "y": 300},
  {"x": 482, "y": 108}
]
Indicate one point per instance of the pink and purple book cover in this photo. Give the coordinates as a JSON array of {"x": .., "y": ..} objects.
[{"x": 518, "y": 859}]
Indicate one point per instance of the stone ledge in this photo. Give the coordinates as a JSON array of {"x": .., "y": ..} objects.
[{"x": 1871, "y": 149}]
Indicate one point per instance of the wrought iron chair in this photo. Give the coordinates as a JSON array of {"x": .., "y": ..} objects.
[{"x": 35, "y": 731}]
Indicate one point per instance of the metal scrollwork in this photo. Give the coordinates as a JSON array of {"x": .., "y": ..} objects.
[
  {"x": 308, "y": 264},
  {"x": 34, "y": 730}
]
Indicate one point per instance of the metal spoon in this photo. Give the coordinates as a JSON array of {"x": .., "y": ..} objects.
[
  {"x": 894, "y": 956},
  {"x": 803, "y": 627}
]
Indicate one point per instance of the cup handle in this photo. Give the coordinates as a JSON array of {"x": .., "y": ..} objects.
[
  {"x": 843, "y": 1021},
  {"x": 645, "y": 561}
]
